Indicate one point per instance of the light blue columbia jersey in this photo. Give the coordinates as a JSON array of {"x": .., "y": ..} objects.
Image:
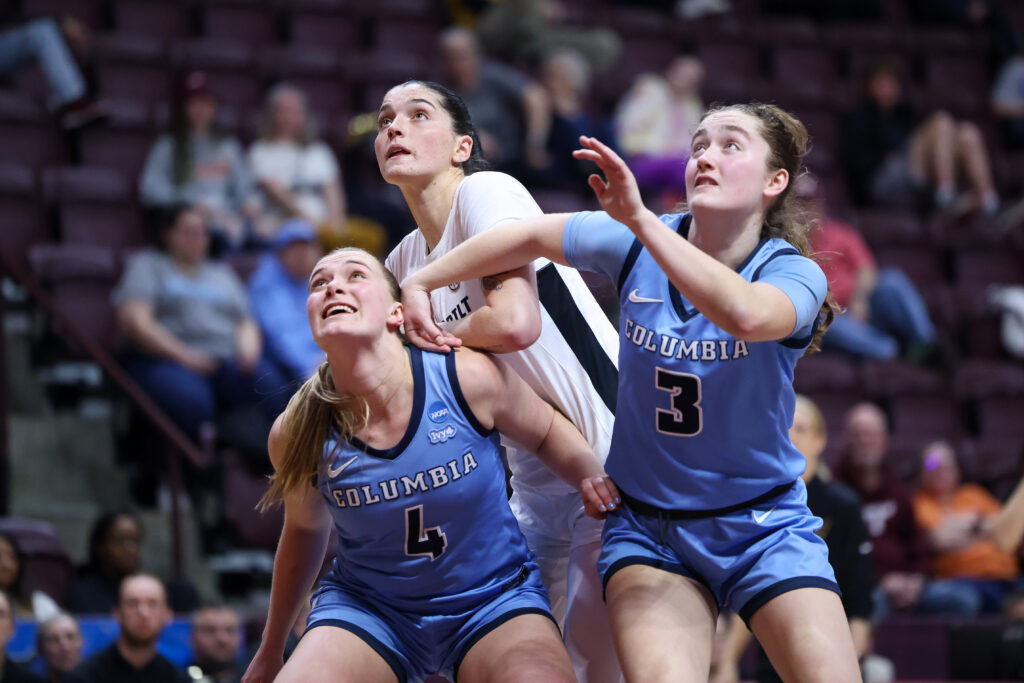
[
  {"x": 702, "y": 418},
  {"x": 427, "y": 519}
]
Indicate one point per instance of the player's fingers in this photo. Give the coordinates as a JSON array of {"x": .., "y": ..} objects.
[
  {"x": 606, "y": 491},
  {"x": 423, "y": 339},
  {"x": 597, "y": 184}
]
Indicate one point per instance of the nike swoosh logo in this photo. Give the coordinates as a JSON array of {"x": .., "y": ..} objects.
[
  {"x": 332, "y": 472},
  {"x": 637, "y": 299},
  {"x": 759, "y": 518}
]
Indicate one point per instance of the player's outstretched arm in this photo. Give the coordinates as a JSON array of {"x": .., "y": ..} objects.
[
  {"x": 500, "y": 249},
  {"x": 300, "y": 554},
  {"x": 500, "y": 399}
]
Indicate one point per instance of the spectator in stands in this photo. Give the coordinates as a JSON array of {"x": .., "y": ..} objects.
[
  {"x": 957, "y": 519},
  {"x": 566, "y": 77},
  {"x": 883, "y": 313},
  {"x": 37, "y": 604},
  {"x": 195, "y": 347},
  {"x": 894, "y": 154},
  {"x": 216, "y": 639},
  {"x": 142, "y": 614},
  {"x": 115, "y": 552},
  {"x": 197, "y": 164},
  {"x": 298, "y": 175},
  {"x": 900, "y": 548},
  {"x": 42, "y": 41},
  {"x": 10, "y": 671},
  {"x": 277, "y": 292},
  {"x": 655, "y": 122},
  {"x": 59, "y": 643},
  {"x": 849, "y": 553},
  {"x": 511, "y": 113},
  {"x": 527, "y": 31}
]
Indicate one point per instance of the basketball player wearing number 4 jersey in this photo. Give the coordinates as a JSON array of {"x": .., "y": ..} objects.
[{"x": 572, "y": 365}]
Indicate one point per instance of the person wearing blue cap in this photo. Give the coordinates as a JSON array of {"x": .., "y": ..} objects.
[{"x": 277, "y": 293}]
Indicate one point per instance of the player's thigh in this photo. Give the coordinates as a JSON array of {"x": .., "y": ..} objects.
[
  {"x": 807, "y": 637},
  {"x": 329, "y": 654},
  {"x": 663, "y": 624},
  {"x": 525, "y": 648}
]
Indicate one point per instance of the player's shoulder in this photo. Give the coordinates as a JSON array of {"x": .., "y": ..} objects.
[
  {"x": 405, "y": 253},
  {"x": 492, "y": 181}
]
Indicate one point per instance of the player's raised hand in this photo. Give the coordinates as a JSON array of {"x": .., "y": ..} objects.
[
  {"x": 600, "y": 496},
  {"x": 617, "y": 192},
  {"x": 419, "y": 325}
]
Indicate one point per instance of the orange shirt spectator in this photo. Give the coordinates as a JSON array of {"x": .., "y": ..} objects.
[{"x": 968, "y": 506}]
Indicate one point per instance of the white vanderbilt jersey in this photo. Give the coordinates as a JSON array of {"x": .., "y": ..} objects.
[{"x": 573, "y": 364}]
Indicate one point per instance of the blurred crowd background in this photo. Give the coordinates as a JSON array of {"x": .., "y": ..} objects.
[{"x": 170, "y": 170}]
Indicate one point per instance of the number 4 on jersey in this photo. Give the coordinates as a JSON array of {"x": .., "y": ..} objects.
[{"x": 432, "y": 543}]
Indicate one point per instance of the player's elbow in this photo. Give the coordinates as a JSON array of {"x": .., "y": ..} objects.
[{"x": 520, "y": 328}]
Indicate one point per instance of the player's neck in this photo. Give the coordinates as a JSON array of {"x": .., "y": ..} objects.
[
  {"x": 378, "y": 374},
  {"x": 727, "y": 237},
  {"x": 431, "y": 204}
]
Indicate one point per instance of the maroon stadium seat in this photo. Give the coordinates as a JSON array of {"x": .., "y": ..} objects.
[
  {"x": 327, "y": 29},
  {"x": 1001, "y": 417},
  {"x": 927, "y": 417},
  {"x": 249, "y": 24},
  {"x": 163, "y": 18},
  {"x": 978, "y": 378},
  {"x": 47, "y": 567},
  {"x": 242, "y": 490},
  {"x": 95, "y": 206},
  {"x": 886, "y": 378},
  {"x": 80, "y": 278},
  {"x": 826, "y": 372},
  {"x": 22, "y": 216}
]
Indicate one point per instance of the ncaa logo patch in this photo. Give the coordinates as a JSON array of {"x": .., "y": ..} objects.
[
  {"x": 454, "y": 287},
  {"x": 437, "y": 412},
  {"x": 441, "y": 435}
]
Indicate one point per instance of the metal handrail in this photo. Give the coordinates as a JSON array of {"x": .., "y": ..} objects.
[{"x": 177, "y": 441}]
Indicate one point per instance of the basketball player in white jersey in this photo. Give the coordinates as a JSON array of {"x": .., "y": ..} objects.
[{"x": 566, "y": 350}]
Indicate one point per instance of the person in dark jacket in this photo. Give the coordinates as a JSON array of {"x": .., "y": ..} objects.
[{"x": 142, "y": 613}]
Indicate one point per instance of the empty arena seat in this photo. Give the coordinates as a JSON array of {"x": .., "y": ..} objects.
[
  {"x": 890, "y": 227},
  {"x": 325, "y": 28},
  {"x": 23, "y": 219},
  {"x": 242, "y": 490},
  {"x": 161, "y": 18},
  {"x": 977, "y": 268},
  {"x": 977, "y": 378},
  {"x": 885, "y": 378},
  {"x": 927, "y": 417},
  {"x": 47, "y": 567},
  {"x": 412, "y": 35},
  {"x": 249, "y": 23},
  {"x": 826, "y": 372},
  {"x": 1001, "y": 417},
  {"x": 95, "y": 206},
  {"x": 80, "y": 278},
  {"x": 210, "y": 53},
  {"x": 995, "y": 462},
  {"x": 145, "y": 81},
  {"x": 924, "y": 266}
]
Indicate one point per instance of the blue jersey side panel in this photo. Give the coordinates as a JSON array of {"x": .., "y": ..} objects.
[
  {"x": 428, "y": 518},
  {"x": 702, "y": 418}
]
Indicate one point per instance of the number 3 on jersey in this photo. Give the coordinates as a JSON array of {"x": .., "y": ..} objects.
[
  {"x": 686, "y": 418},
  {"x": 432, "y": 543}
]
